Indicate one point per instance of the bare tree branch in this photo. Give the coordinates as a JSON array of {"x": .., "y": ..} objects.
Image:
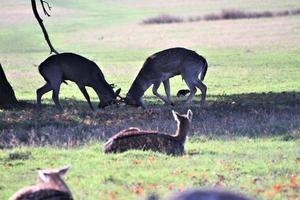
[
  {"x": 44, "y": 9},
  {"x": 40, "y": 21}
]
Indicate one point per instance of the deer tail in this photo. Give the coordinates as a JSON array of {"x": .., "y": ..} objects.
[{"x": 203, "y": 73}]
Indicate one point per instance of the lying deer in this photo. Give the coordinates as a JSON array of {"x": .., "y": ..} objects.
[
  {"x": 68, "y": 66},
  {"x": 50, "y": 186},
  {"x": 206, "y": 195},
  {"x": 134, "y": 138},
  {"x": 160, "y": 67}
]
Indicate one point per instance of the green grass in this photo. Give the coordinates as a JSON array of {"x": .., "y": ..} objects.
[
  {"x": 241, "y": 161},
  {"x": 248, "y": 131}
]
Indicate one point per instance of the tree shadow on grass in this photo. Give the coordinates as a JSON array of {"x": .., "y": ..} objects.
[{"x": 223, "y": 116}]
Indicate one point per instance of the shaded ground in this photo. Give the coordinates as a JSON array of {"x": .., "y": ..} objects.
[{"x": 226, "y": 117}]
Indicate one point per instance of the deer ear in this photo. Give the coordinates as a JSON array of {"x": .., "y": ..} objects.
[
  {"x": 43, "y": 176},
  {"x": 175, "y": 115},
  {"x": 189, "y": 114},
  {"x": 64, "y": 170}
]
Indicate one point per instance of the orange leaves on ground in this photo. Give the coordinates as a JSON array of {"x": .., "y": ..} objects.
[
  {"x": 172, "y": 187},
  {"x": 152, "y": 186},
  {"x": 138, "y": 189},
  {"x": 298, "y": 161},
  {"x": 277, "y": 188},
  {"x": 112, "y": 195},
  {"x": 293, "y": 182},
  {"x": 191, "y": 174},
  {"x": 177, "y": 172},
  {"x": 283, "y": 188},
  {"x": 257, "y": 191},
  {"x": 136, "y": 162},
  {"x": 220, "y": 180},
  {"x": 151, "y": 160}
]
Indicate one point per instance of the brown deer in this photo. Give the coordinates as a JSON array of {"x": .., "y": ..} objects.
[
  {"x": 134, "y": 138},
  {"x": 160, "y": 67},
  {"x": 50, "y": 186},
  {"x": 207, "y": 195},
  {"x": 69, "y": 66}
]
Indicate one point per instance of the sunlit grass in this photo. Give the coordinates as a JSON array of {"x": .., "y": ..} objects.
[{"x": 251, "y": 166}]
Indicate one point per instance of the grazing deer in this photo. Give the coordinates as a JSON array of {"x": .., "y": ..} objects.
[
  {"x": 134, "y": 138},
  {"x": 160, "y": 67},
  {"x": 69, "y": 66},
  {"x": 206, "y": 195},
  {"x": 50, "y": 186}
]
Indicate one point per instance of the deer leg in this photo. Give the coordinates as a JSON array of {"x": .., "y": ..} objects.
[
  {"x": 168, "y": 91},
  {"x": 86, "y": 95},
  {"x": 154, "y": 90},
  {"x": 55, "y": 93},
  {"x": 40, "y": 92},
  {"x": 193, "y": 90},
  {"x": 203, "y": 89}
]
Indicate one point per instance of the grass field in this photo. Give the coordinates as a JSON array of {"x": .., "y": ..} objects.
[{"x": 246, "y": 138}]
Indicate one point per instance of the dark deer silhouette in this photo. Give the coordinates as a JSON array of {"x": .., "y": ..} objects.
[
  {"x": 207, "y": 195},
  {"x": 84, "y": 72},
  {"x": 134, "y": 138},
  {"x": 50, "y": 186},
  {"x": 160, "y": 67}
]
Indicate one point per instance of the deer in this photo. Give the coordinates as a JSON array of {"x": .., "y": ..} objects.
[
  {"x": 84, "y": 72},
  {"x": 209, "y": 194},
  {"x": 50, "y": 186},
  {"x": 135, "y": 138},
  {"x": 160, "y": 67}
]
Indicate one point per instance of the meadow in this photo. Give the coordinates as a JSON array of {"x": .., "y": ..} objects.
[{"x": 246, "y": 137}]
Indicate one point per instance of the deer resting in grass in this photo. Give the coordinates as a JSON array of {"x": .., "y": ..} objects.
[
  {"x": 160, "y": 67},
  {"x": 206, "y": 195},
  {"x": 50, "y": 186},
  {"x": 134, "y": 138},
  {"x": 69, "y": 66}
]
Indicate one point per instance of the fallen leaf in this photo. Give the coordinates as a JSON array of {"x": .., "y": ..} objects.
[
  {"x": 136, "y": 162},
  {"x": 259, "y": 191},
  {"x": 221, "y": 178},
  {"x": 277, "y": 187},
  {"x": 270, "y": 194},
  {"x": 293, "y": 182},
  {"x": 112, "y": 195},
  {"x": 138, "y": 189},
  {"x": 151, "y": 160},
  {"x": 171, "y": 187},
  {"x": 152, "y": 186}
]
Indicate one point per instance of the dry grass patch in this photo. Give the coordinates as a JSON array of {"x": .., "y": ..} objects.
[
  {"x": 227, "y": 117},
  {"x": 223, "y": 15},
  {"x": 262, "y": 33}
]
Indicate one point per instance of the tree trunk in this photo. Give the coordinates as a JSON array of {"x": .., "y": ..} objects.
[{"x": 7, "y": 94}]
